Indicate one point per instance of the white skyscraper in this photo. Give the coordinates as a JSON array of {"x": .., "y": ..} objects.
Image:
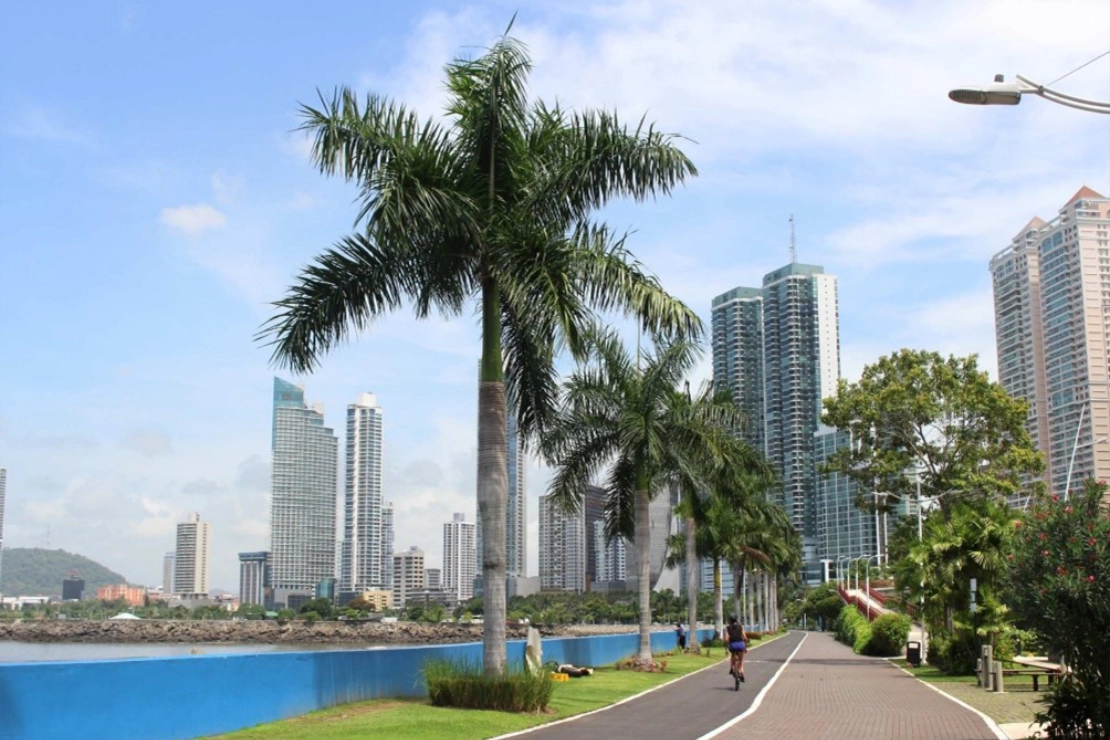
[
  {"x": 303, "y": 502},
  {"x": 459, "y": 557},
  {"x": 562, "y": 548},
  {"x": 362, "y": 555},
  {"x": 611, "y": 557},
  {"x": 191, "y": 559}
]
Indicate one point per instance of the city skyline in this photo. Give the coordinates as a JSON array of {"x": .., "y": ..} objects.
[{"x": 151, "y": 401}]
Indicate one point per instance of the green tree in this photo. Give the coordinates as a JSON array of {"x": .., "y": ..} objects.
[
  {"x": 626, "y": 417},
  {"x": 493, "y": 210},
  {"x": 323, "y": 608},
  {"x": 943, "y": 417}
]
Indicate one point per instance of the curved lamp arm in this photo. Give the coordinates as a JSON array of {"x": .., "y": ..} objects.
[{"x": 1001, "y": 92}]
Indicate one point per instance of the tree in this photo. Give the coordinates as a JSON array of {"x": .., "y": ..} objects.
[
  {"x": 626, "y": 417},
  {"x": 493, "y": 210},
  {"x": 250, "y": 611},
  {"x": 943, "y": 417},
  {"x": 323, "y": 608}
]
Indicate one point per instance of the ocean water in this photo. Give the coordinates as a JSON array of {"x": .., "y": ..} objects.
[{"x": 33, "y": 652}]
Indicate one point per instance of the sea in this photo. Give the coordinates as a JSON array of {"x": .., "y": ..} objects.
[{"x": 34, "y": 652}]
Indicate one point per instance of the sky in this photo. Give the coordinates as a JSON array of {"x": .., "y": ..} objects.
[{"x": 154, "y": 200}]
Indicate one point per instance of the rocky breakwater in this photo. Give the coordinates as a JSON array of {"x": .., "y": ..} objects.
[{"x": 268, "y": 632}]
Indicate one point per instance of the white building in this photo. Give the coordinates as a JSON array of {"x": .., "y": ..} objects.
[
  {"x": 169, "y": 563},
  {"x": 387, "y": 545},
  {"x": 192, "y": 557},
  {"x": 3, "y": 492},
  {"x": 459, "y": 557},
  {"x": 362, "y": 555},
  {"x": 303, "y": 502},
  {"x": 408, "y": 575},
  {"x": 562, "y": 548}
]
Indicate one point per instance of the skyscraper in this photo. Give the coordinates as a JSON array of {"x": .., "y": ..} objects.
[
  {"x": 191, "y": 559},
  {"x": 362, "y": 554},
  {"x": 459, "y": 557},
  {"x": 254, "y": 577},
  {"x": 3, "y": 493},
  {"x": 408, "y": 575},
  {"x": 610, "y": 557},
  {"x": 1052, "y": 317},
  {"x": 562, "y": 548},
  {"x": 387, "y": 545},
  {"x": 303, "y": 501},
  {"x": 593, "y": 514},
  {"x": 169, "y": 563},
  {"x": 778, "y": 350}
]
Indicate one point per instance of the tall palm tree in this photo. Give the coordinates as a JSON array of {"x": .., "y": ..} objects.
[
  {"x": 490, "y": 210},
  {"x": 626, "y": 417}
]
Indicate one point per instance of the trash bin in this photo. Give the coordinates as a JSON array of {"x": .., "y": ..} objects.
[{"x": 913, "y": 653}]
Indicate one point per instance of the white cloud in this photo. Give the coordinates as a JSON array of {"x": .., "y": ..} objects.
[
  {"x": 40, "y": 124},
  {"x": 148, "y": 443},
  {"x": 225, "y": 188},
  {"x": 193, "y": 220}
]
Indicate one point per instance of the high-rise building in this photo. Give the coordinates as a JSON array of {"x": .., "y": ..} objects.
[
  {"x": 778, "y": 350},
  {"x": 611, "y": 557},
  {"x": 433, "y": 578},
  {"x": 459, "y": 557},
  {"x": 1052, "y": 318},
  {"x": 191, "y": 559},
  {"x": 387, "y": 545},
  {"x": 254, "y": 578},
  {"x": 516, "y": 512},
  {"x": 408, "y": 575},
  {"x": 3, "y": 493},
  {"x": 169, "y": 564},
  {"x": 303, "y": 501},
  {"x": 362, "y": 554},
  {"x": 844, "y": 530},
  {"x": 593, "y": 513},
  {"x": 562, "y": 548}
]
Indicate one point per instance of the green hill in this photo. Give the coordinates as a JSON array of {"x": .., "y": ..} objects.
[{"x": 34, "y": 571}]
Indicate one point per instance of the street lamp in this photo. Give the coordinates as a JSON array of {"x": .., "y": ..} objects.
[
  {"x": 842, "y": 577},
  {"x": 867, "y": 585},
  {"x": 1001, "y": 92}
]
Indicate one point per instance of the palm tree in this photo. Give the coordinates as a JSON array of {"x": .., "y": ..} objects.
[
  {"x": 626, "y": 416},
  {"x": 491, "y": 210},
  {"x": 701, "y": 486}
]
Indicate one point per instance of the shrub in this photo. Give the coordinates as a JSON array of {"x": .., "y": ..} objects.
[
  {"x": 888, "y": 635},
  {"x": 463, "y": 684},
  {"x": 633, "y": 663},
  {"x": 954, "y": 652},
  {"x": 852, "y": 628},
  {"x": 1062, "y": 563}
]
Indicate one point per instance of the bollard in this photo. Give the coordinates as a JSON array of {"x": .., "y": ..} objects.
[
  {"x": 985, "y": 665},
  {"x": 998, "y": 685}
]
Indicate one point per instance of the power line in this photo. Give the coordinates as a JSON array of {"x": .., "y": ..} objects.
[{"x": 1081, "y": 66}]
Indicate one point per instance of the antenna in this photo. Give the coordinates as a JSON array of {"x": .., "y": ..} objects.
[{"x": 793, "y": 246}]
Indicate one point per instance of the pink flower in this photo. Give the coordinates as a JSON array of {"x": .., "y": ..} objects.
[
  {"x": 1055, "y": 497},
  {"x": 1090, "y": 579}
]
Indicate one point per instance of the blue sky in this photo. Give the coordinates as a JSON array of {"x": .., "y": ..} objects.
[{"x": 153, "y": 200}]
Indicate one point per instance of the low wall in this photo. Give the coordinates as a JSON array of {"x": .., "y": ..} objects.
[{"x": 185, "y": 697}]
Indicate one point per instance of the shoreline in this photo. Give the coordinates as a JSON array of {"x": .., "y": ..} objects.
[{"x": 107, "y": 631}]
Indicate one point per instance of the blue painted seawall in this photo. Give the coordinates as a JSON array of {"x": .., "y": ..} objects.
[{"x": 180, "y": 698}]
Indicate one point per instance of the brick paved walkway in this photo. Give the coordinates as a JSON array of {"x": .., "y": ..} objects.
[{"x": 829, "y": 693}]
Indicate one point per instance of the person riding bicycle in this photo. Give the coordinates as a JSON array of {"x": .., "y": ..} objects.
[{"x": 737, "y": 640}]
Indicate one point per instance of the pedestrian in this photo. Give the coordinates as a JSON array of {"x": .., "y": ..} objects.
[{"x": 680, "y": 630}]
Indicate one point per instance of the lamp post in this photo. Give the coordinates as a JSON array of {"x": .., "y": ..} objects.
[
  {"x": 842, "y": 577},
  {"x": 867, "y": 583},
  {"x": 1001, "y": 92}
]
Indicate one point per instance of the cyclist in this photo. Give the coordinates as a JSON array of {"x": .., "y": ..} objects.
[{"x": 737, "y": 640}]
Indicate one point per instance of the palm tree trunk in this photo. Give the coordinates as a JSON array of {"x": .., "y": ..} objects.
[
  {"x": 691, "y": 584},
  {"x": 738, "y": 591},
  {"x": 493, "y": 482},
  {"x": 643, "y": 566},
  {"x": 718, "y": 599},
  {"x": 765, "y": 589}
]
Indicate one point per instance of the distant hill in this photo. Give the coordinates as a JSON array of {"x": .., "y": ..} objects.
[{"x": 34, "y": 571}]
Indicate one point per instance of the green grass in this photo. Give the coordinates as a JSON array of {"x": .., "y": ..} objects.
[
  {"x": 1019, "y": 704},
  {"x": 933, "y": 675},
  {"x": 416, "y": 719}
]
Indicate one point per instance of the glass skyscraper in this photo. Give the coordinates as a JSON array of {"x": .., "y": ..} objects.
[
  {"x": 777, "y": 348},
  {"x": 363, "y": 554},
  {"x": 303, "y": 498}
]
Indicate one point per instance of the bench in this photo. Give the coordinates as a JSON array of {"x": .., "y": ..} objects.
[{"x": 1036, "y": 673}]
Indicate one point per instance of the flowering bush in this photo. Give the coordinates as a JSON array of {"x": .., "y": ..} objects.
[{"x": 1061, "y": 576}]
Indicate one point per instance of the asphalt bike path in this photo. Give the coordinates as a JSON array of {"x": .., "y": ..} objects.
[{"x": 685, "y": 709}]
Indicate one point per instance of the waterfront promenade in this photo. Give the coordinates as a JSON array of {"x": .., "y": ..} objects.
[{"x": 803, "y": 685}]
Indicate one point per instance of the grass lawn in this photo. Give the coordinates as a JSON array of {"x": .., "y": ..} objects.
[
  {"x": 416, "y": 719},
  {"x": 1018, "y": 704}
]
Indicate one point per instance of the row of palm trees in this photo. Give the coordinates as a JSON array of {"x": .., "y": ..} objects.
[{"x": 491, "y": 210}]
